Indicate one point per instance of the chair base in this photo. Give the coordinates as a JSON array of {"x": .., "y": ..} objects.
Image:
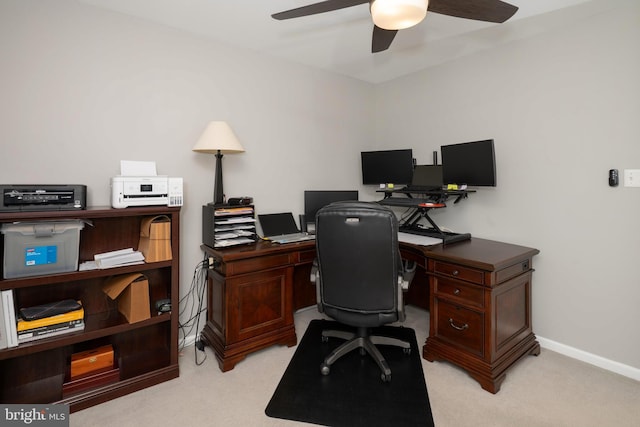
[{"x": 364, "y": 341}]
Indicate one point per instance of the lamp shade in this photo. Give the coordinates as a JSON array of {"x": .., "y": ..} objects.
[
  {"x": 398, "y": 14},
  {"x": 218, "y": 136}
]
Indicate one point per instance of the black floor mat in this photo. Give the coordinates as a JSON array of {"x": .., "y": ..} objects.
[{"x": 353, "y": 394}]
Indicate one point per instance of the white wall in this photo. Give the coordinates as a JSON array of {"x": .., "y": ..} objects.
[
  {"x": 82, "y": 89},
  {"x": 563, "y": 109}
]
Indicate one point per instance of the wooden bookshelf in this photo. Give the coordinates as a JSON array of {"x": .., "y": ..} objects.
[{"x": 146, "y": 352}]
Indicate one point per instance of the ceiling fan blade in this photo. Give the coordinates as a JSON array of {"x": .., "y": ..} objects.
[
  {"x": 321, "y": 7},
  {"x": 381, "y": 39},
  {"x": 479, "y": 10}
]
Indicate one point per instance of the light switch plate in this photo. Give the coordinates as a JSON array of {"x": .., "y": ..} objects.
[{"x": 632, "y": 177}]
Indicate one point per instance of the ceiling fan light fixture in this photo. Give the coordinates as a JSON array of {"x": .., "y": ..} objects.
[{"x": 398, "y": 14}]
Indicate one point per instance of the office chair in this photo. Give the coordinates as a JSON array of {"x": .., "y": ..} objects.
[{"x": 359, "y": 279}]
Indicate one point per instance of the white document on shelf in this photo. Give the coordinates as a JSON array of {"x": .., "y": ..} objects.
[
  {"x": 236, "y": 221},
  {"x": 222, "y": 236},
  {"x": 416, "y": 239},
  {"x": 232, "y": 242},
  {"x": 234, "y": 227}
]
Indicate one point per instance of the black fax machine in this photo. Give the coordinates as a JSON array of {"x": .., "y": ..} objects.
[{"x": 35, "y": 197}]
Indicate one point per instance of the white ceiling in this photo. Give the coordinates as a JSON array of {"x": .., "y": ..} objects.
[{"x": 340, "y": 41}]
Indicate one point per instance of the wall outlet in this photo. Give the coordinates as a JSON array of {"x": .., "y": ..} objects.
[{"x": 632, "y": 177}]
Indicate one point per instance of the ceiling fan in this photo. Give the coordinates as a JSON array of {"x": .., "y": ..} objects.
[{"x": 389, "y": 16}]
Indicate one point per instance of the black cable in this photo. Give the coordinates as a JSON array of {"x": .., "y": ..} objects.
[
  {"x": 188, "y": 298},
  {"x": 193, "y": 301},
  {"x": 201, "y": 299}
]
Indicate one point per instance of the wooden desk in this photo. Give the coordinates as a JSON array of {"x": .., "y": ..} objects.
[
  {"x": 478, "y": 293},
  {"x": 250, "y": 298}
]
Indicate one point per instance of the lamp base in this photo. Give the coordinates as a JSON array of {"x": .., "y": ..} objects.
[{"x": 218, "y": 192}]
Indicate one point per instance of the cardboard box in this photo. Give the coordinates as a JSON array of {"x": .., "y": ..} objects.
[
  {"x": 91, "y": 361},
  {"x": 132, "y": 293},
  {"x": 155, "y": 238}
]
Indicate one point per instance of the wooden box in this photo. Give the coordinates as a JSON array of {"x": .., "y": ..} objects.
[{"x": 92, "y": 360}]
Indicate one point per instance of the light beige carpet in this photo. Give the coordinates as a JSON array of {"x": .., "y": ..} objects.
[{"x": 548, "y": 390}]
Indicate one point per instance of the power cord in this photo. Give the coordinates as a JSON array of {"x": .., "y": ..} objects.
[{"x": 192, "y": 303}]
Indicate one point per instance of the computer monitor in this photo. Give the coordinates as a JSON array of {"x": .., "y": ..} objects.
[
  {"x": 427, "y": 176},
  {"x": 387, "y": 167},
  {"x": 470, "y": 163},
  {"x": 314, "y": 200}
]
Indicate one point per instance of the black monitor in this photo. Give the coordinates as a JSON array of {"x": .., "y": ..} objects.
[
  {"x": 387, "y": 167},
  {"x": 314, "y": 200},
  {"x": 470, "y": 163},
  {"x": 427, "y": 176}
]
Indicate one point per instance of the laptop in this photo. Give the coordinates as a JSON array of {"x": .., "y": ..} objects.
[
  {"x": 426, "y": 178},
  {"x": 281, "y": 228}
]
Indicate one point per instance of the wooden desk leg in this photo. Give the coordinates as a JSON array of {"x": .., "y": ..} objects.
[
  {"x": 490, "y": 376},
  {"x": 229, "y": 355}
]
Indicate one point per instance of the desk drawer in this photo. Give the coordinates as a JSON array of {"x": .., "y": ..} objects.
[
  {"x": 459, "y": 272},
  {"x": 460, "y": 326},
  {"x": 465, "y": 294},
  {"x": 303, "y": 257}
]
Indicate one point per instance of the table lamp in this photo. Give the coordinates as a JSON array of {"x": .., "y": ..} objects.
[{"x": 218, "y": 139}]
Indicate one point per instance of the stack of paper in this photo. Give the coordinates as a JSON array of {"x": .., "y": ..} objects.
[{"x": 118, "y": 258}]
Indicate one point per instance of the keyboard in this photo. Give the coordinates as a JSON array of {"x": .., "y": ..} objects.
[
  {"x": 292, "y": 238},
  {"x": 446, "y": 236}
]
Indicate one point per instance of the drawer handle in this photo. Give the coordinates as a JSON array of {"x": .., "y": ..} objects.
[
  {"x": 455, "y": 272},
  {"x": 456, "y": 292},
  {"x": 456, "y": 327}
]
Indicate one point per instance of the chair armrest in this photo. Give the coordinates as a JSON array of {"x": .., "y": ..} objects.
[
  {"x": 407, "y": 273},
  {"x": 316, "y": 279},
  {"x": 315, "y": 273}
]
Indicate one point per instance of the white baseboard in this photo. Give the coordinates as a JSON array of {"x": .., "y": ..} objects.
[
  {"x": 574, "y": 353},
  {"x": 190, "y": 340},
  {"x": 592, "y": 359}
]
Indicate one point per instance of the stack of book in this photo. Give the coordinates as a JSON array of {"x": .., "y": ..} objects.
[{"x": 50, "y": 325}]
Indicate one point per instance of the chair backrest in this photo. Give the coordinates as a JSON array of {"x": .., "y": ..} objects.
[{"x": 358, "y": 260}]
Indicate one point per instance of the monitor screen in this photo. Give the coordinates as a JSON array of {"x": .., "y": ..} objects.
[
  {"x": 314, "y": 200},
  {"x": 427, "y": 176},
  {"x": 470, "y": 163},
  {"x": 387, "y": 167}
]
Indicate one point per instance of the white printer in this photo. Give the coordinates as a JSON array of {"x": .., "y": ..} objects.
[{"x": 146, "y": 191}]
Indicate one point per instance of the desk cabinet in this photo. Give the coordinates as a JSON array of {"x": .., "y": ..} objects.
[
  {"x": 480, "y": 307},
  {"x": 251, "y": 297}
]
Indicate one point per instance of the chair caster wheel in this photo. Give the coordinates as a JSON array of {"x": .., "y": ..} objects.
[
  {"x": 385, "y": 378},
  {"x": 324, "y": 369},
  {"x": 407, "y": 350},
  {"x": 363, "y": 352},
  {"x": 325, "y": 339}
]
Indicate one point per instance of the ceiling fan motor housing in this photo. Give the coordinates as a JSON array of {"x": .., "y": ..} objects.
[{"x": 398, "y": 14}]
